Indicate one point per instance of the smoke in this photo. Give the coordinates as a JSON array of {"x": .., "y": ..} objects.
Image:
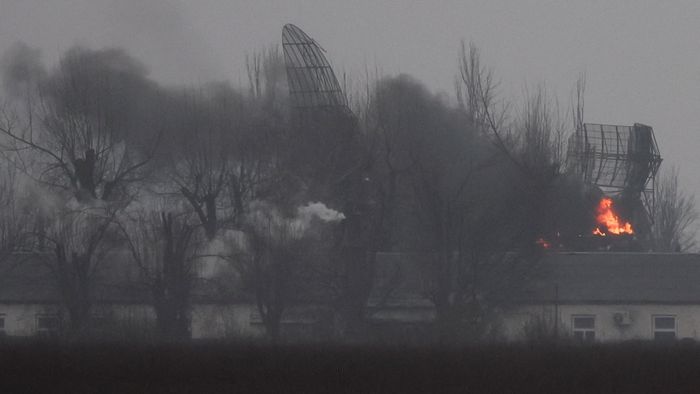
[
  {"x": 319, "y": 210},
  {"x": 265, "y": 220},
  {"x": 160, "y": 33},
  {"x": 21, "y": 68}
]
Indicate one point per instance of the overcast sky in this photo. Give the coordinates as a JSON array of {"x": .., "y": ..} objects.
[{"x": 641, "y": 58}]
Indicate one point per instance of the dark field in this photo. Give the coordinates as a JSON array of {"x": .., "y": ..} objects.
[{"x": 209, "y": 367}]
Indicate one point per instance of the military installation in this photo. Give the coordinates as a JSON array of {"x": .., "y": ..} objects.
[
  {"x": 621, "y": 163},
  {"x": 313, "y": 85}
]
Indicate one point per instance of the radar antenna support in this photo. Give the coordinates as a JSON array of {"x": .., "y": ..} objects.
[{"x": 621, "y": 160}]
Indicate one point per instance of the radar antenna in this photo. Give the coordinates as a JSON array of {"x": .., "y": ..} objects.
[
  {"x": 621, "y": 160},
  {"x": 312, "y": 83}
]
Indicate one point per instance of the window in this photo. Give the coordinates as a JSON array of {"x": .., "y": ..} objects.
[
  {"x": 584, "y": 327},
  {"x": 664, "y": 327},
  {"x": 2, "y": 325},
  {"x": 47, "y": 325}
]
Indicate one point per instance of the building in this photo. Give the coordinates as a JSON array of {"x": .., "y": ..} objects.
[
  {"x": 586, "y": 296},
  {"x": 609, "y": 297},
  {"x": 30, "y": 303}
]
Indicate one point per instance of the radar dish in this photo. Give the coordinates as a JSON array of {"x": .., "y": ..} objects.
[
  {"x": 312, "y": 83},
  {"x": 617, "y": 159}
]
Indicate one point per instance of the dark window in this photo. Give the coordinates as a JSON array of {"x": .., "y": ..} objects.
[
  {"x": 664, "y": 327},
  {"x": 584, "y": 327},
  {"x": 664, "y": 335},
  {"x": 586, "y": 336},
  {"x": 665, "y": 323}
]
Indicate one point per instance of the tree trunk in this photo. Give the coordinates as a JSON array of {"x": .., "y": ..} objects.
[
  {"x": 172, "y": 286},
  {"x": 444, "y": 319},
  {"x": 74, "y": 285},
  {"x": 211, "y": 225},
  {"x": 359, "y": 269}
]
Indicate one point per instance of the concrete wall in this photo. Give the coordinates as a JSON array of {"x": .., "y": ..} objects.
[
  {"x": 402, "y": 315},
  {"x": 224, "y": 321},
  {"x": 21, "y": 319},
  {"x": 606, "y": 329},
  {"x": 237, "y": 320},
  {"x": 208, "y": 320}
]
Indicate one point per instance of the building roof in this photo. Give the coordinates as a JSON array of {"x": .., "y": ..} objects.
[
  {"x": 672, "y": 278},
  {"x": 25, "y": 278},
  {"x": 591, "y": 277},
  {"x": 401, "y": 281},
  {"x": 28, "y": 278}
]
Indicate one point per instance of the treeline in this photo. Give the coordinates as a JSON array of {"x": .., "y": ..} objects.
[{"x": 237, "y": 186}]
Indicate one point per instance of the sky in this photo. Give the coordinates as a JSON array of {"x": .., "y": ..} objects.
[{"x": 641, "y": 58}]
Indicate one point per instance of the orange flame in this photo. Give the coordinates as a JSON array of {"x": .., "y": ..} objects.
[{"x": 610, "y": 221}]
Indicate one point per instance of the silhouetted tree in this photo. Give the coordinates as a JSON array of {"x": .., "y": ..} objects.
[
  {"x": 532, "y": 141},
  {"x": 77, "y": 238},
  {"x": 17, "y": 216},
  {"x": 163, "y": 245},
  {"x": 269, "y": 263},
  {"x": 201, "y": 162},
  {"x": 450, "y": 184},
  {"x": 674, "y": 215},
  {"x": 75, "y": 125}
]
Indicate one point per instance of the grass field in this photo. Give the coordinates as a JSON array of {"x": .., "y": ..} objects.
[{"x": 236, "y": 368}]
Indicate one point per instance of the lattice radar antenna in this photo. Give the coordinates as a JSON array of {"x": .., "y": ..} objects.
[
  {"x": 312, "y": 83},
  {"x": 620, "y": 160}
]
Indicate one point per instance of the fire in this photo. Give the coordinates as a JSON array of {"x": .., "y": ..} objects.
[
  {"x": 543, "y": 243},
  {"x": 598, "y": 232},
  {"x": 609, "y": 222}
]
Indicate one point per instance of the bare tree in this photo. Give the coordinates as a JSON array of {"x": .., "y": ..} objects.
[
  {"x": 78, "y": 240},
  {"x": 163, "y": 245},
  {"x": 376, "y": 168},
  {"x": 202, "y": 160},
  {"x": 229, "y": 147},
  {"x": 674, "y": 228},
  {"x": 75, "y": 127},
  {"x": 443, "y": 166},
  {"x": 16, "y": 216},
  {"x": 578, "y": 104},
  {"x": 532, "y": 141},
  {"x": 476, "y": 89},
  {"x": 269, "y": 264},
  {"x": 264, "y": 147},
  {"x": 267, "y": 80}
]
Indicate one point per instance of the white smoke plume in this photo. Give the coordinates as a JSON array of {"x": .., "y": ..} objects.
[
  {"x": 267, "y": 219},
  {"x": 264, "y": 218},
  {"x": 319, "y": 210}
]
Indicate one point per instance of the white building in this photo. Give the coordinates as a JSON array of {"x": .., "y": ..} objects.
[
  {"x": 30, "y": 302},
  {"x": 609, "y": 297},
  {"x": 590, "y": 296}
]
